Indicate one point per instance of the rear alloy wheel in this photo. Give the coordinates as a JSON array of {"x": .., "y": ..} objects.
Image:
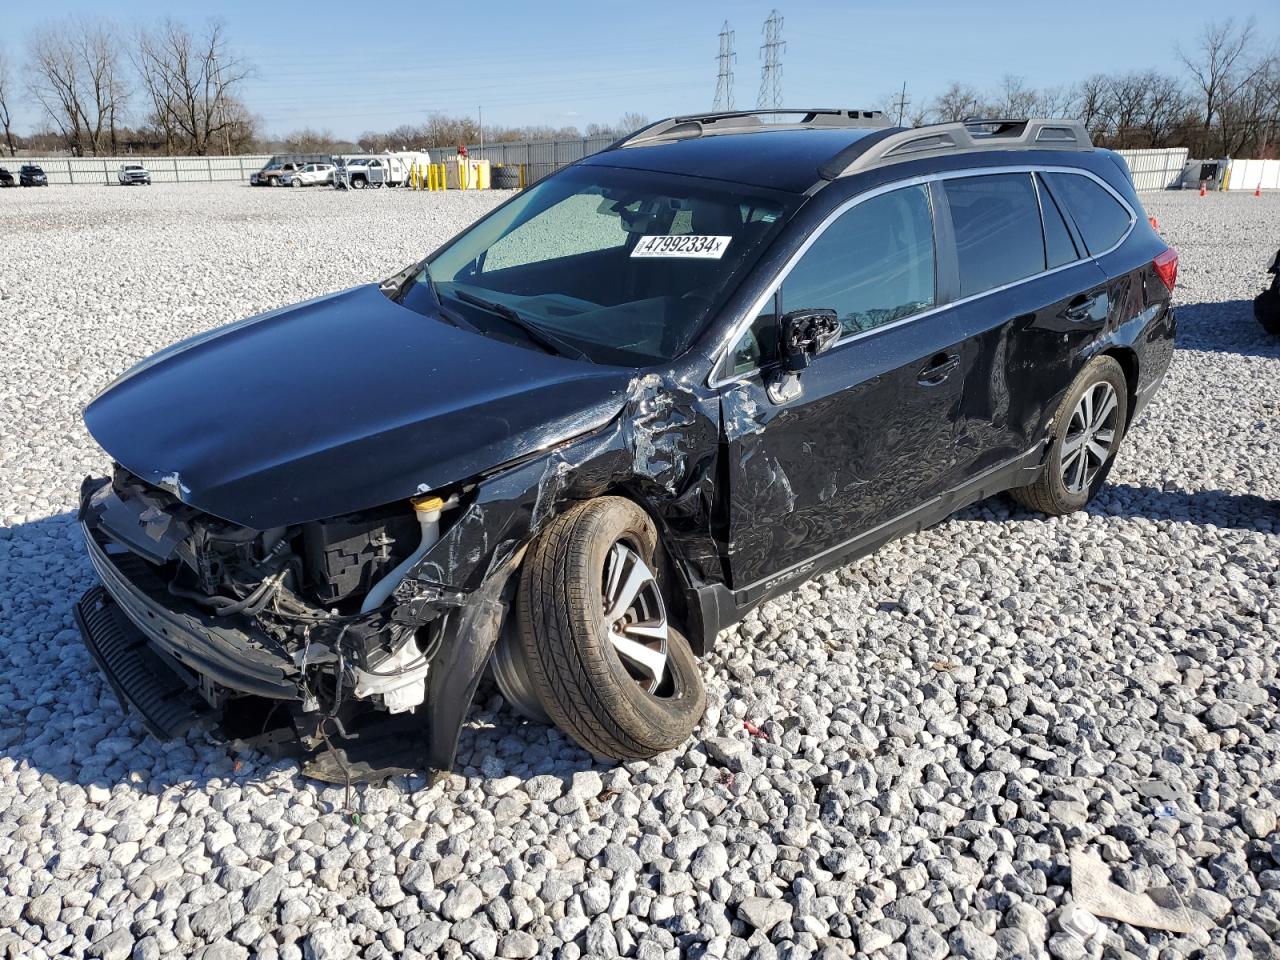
[
  {"x": 295, "y": 182},
  {"x": 1089, "y": 426},
  {"x": 594, "y": 649}
]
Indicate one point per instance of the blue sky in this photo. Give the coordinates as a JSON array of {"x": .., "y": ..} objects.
[{"x": 337, "y": 66}]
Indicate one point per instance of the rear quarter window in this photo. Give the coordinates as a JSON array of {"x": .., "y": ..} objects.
[
  {"x": 1101, "y": 219},
  {"x": 996, "y": 219}
]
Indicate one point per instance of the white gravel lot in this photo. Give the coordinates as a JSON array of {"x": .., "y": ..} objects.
[{"x": 941, "y": 725}]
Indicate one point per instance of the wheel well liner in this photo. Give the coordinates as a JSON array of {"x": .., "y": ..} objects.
[{"x": 1128, "y": 361}]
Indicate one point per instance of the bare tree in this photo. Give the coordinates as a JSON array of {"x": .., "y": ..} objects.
[
  {"x": 1125, "y": 96},
  {"x": 1164, "y": 106},
  {"x": 442, "y": 130},
  {"x": 630, "y": 122},
  {"x": 957, "y": 102},
  {"x": 1092, "y": 104},
  {"x": 1014, "y": 99},
  {"x": 1060, "y": 101},
  {"x": 6, "y": 90},
  {"x": 192, "y": 82},
  {"x": 75, "y": 76},
  {"x": 1218, "y": 66}
]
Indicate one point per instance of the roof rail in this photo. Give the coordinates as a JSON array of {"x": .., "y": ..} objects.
[
  {"x": 748, "y": 121},
  {"x": 970, "y": 134}
]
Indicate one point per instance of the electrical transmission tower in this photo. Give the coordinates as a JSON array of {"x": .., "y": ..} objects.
[
  {"x": 771, "y": 72},
  {"x": 724, "y": 79}
]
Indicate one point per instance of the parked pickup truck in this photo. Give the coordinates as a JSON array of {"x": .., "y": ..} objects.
[
  {"x": 131, "y": 173},
  {"x": 389, "y": 169}
]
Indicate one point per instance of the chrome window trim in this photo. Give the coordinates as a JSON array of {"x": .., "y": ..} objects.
[{"x": 721, "y": 351}]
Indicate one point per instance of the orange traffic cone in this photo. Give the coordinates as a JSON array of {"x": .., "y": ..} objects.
[{"x": 1202, "y": 188}]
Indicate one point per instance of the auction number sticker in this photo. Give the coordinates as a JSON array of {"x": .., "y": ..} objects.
[{"x": 691, "y": 245}]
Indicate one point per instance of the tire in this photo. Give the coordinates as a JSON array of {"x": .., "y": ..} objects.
[
  {"x": 358, "y": 183},
  {"x": 607, "y": 703},
  {"x": 505, "y": 178},
  {"x": 1075, "y": 469},
  {"x": 1266, "y": 307},
  {"x": 295, "y": 182}
]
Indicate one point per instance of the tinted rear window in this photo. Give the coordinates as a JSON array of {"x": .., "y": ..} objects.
[
  {"x": 1101, "y": 219},
  {"x": 997, "y": 226}
]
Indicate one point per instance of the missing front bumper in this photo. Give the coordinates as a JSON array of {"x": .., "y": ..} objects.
[
  {"x": 158, "y": 657},
  {"x": 165, "y": 696},
  {"x": 143, "y": 679}
]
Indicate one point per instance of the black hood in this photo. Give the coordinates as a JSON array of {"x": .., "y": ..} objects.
[{"x": 338, "y": 404}]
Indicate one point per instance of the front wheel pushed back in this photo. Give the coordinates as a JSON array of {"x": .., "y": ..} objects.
[{"x": 593, "y": 648}]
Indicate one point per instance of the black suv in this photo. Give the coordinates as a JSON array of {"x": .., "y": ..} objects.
[
  {"x": 6, "y": 178},
  {"x": 30, "y": 175},
  {"x": 650, "y": 392}
]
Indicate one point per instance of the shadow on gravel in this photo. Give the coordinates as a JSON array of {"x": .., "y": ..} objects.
[
  {"x": 59, "y": 717},
  {"x": 1240, "y": 511},
  {"x": 1224, "y": 326}
]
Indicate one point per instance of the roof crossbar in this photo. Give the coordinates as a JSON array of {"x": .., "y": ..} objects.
[
  {"x": 749, "y": 121},
  {"x": 970, "y": 134}
]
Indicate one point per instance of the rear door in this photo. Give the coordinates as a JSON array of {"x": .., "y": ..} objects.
[
  {"x": 871, "y": 434},
  {"x": 1029, "y": 301}
]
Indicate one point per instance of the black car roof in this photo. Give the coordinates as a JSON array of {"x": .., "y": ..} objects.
[
  {"x": 779, "y": 159},
  {"x": 823, "y": 145}
]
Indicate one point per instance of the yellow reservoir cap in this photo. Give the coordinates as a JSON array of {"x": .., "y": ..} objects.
[{"x": 427, "y": 504}]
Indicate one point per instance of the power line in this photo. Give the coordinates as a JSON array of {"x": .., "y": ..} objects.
[
  {"x": 771, "y": 73},
  {"x": 903, "y": 103},
  {"x": 724, "y": 79}
]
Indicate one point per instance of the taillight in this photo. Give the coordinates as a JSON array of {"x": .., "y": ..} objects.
[{"x": 1166, "y": 265}]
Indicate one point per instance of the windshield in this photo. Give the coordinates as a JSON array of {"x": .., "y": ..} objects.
[{"x": 623, "y": 266}]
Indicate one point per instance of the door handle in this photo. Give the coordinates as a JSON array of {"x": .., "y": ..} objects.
[
  {"x": 1081, "y": 308},
  {"x": 938, "y": 369}
]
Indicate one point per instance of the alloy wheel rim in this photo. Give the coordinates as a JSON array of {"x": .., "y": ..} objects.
[
  {"x": 1090, "y": 438},
  {"x": 635, "y": 617}
]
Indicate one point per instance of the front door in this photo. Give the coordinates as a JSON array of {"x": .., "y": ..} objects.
[{"x": 871, "y": 435}]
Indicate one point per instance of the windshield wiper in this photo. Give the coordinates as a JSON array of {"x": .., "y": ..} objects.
[
  {"x": 539, "y": 335},
  {"x": 417, "y": 273}
]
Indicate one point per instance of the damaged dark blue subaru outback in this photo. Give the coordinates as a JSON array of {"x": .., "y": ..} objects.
[{"x": 650, "y": 392}]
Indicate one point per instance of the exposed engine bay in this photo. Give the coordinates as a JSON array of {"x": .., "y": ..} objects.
[{"x": 313, "y": 596}]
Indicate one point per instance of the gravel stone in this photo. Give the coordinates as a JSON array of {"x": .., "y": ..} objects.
[
  {"x": 1257, "y": 822},
  {"x": 518, "y": 945},
  {"x": 465, "y": 900},
  {"x": 940, "y": 724},
  {"x": 765, "y": 914}
]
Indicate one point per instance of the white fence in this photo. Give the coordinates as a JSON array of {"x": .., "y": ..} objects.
[
  {"x": 99, "y": 170},
  {"x": 1156, "y": 169},
  {"x": 1151, "y": 169},
  {"x": 1254, "y": 174}
]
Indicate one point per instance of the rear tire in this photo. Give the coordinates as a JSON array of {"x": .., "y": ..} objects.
[
  {"x": 1088, "y": 428},
  {"x": 1266, "y": 307},
  {"x": 604, "y": 680}
]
